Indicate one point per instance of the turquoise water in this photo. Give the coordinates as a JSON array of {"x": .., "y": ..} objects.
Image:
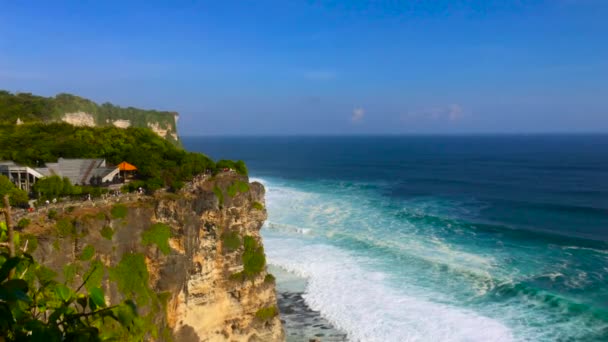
[{"x": 440, "y": 238}]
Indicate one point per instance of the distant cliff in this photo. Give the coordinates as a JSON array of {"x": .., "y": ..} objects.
[
  {"x": 200, "y": 251},
  {"x": 27, "y": 108}
]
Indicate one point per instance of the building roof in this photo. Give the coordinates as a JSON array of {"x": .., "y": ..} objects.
[
  {"x": 78, "y": 171},
  {"x": 124, "y": 166}
]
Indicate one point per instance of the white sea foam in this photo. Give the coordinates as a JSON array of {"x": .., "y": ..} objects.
[{"x": 360, "y": 302}]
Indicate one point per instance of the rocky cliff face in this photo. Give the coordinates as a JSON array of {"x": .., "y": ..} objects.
[{"x": 217, "y": 288}]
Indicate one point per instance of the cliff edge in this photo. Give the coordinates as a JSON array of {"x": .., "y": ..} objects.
[{"x": 202, "y": 249}]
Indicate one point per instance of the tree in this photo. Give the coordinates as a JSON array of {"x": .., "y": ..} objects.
[
  {"x": 53, "y": 186},
  {"x": 17, "y": 196}
]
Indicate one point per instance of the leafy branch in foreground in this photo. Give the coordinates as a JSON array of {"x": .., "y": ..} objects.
[{"x": 35, "y": 306}]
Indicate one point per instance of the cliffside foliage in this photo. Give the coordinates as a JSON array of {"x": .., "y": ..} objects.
[
  {"x": 31, "y": 108},
  {"x": 17, "y": 197},
  {"x": 236, "y": 187},
  {"x": 35, "y": 306},
  {"x": 231, "y": 241},
  {"x": 119, "y": 211},
  {"x": 158, "y": 234},
  {"x": 159, "y": 162},
  {"x": 265, "y": 314}
]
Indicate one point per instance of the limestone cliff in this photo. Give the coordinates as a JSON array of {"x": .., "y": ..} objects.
[
  {"x": 214, "y": 292},
  {"x": 25, "y": 108}
]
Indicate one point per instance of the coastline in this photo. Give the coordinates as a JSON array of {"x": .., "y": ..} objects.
[{"x": 300, "y": 322}]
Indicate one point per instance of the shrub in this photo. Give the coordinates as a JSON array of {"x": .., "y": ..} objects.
[
  {"x": 269, "y": 278},
  {"x": 24, "y": 222},
  {"x": 253, "y": 257},
  {"x": 237, "y": 186},
  {"x": 159, "y": 235},
  {"x": 52, "y": 214},
  {"x": 267, "y": 313},
  {"x": 257, "y": 206},
  {"x": 65, "y": 227},
  {"x": 107, "y": 232},
  {"x": 231, "y": 241},
  {"x": 87, "y": 253},
  {"x": 119, "y": 211}
]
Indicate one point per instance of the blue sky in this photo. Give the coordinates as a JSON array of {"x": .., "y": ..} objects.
[{"x": 322, "y": 67}]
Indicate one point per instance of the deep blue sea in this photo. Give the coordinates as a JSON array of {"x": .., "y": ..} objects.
[{"x": 428, "y": 238}]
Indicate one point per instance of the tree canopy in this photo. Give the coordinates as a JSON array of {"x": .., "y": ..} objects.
[{"x": 159, "y": 162}]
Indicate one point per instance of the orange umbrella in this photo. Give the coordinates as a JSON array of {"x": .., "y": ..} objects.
[{"x": 124, "y": 166}]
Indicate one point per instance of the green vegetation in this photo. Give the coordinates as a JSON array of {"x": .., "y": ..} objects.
[
  {"x": 17, "y": 197},
  {"x": 253, "y": 257},
  {"x": 159, "y": 163},
  {"x": 237, "y": 186},
  {"x": 257, "y": 206},
  {"x": 24, "y": 222},
  {"x": 131, "y": 277},
  {"x": 231, "y": 241},
  {"x": 31, "y": 108},
  {"x": 52, "y": 214},
  {"x": 267, "y": 313},
  {"x": 238, "y": 166},
  {"x": 119, "y": 211},
  {"x": 107, "y": 232},
  {"x": 87, "y": 253},
  {"x": 159, "y": 235},
  {"x": 34, "y": 306},
  {"x": 269, "y": 278},
  {"x": 65, "y": 227}
]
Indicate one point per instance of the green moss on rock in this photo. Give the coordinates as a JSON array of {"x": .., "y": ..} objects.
[
  {"x": 265, "y": 314},
  {"x": 159, "y": 235},
  {"x": 119, "y": 211},
  {"x": 231, "y": 241}
]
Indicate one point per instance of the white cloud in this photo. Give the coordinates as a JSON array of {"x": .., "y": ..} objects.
[{"x": 358, "y": 114}]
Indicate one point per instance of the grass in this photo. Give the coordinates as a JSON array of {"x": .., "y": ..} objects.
[
  {"x": 65, "y": 227},
  {"x": 159, "y": 235},
  {"x": 87, "y": 253},
  {"x": 269, "y": 278},
  {"x": 237, "y": 187},
  {"x": 107, "y": 232},
  {"x": 257, "y": 206},
  {"x": 254, "y": 259},
  {"x": 52, "y": 214},
  {"x": 231, "y": 241},
  {"x": 24, "y": 222},
  {"x": 119, "y": 211},
  {"x": 265, "y": 314}
]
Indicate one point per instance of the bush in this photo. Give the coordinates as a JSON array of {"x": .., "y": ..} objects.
[
  {"x": 231, "y": 241},
  {"x": 24, "y": 222},
  {"x": 257, "y": 206},
  {"x": 269, "y": 278},
  {"x": 52, "y": 214},
  {"x": 237, "y": 186},
  {"x": 159, "y": 235},
  {"x": 65, "y": 227},
  {"x": 107, "y": 232},
  {"x": 267, "y": 313},
  {"x": 17, "y": 197},
  {"x": 253, "y": 258},
  {"x": 119, "y": 211}
]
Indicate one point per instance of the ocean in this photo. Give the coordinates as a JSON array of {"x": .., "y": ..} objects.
[{"x": 439, "y": 238}]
